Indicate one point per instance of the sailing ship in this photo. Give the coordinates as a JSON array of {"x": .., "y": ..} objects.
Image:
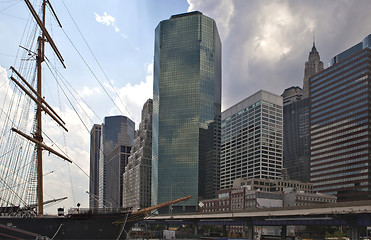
[{"x": 21, "y": 163}]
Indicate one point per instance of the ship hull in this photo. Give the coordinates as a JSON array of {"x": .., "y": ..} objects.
[{"x": 92, "y": 226}]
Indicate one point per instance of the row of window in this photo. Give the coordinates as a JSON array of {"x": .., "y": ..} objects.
[
  {"x": 343, "y": 174},
  {"x": 340, "y": 151},
  {"x": 340, "y": 186},
  {"x": 337, "y": 158},
  {"x": 333, "y": 83},
  {"x": 356, "y": 132},
  {"x": 340, "y": 106},
  {"x": 344, "y": 109},
  {"x": 339, "y": 146},
  {"x": 335, "y": 181},
  {"x": 335, "y": 168},
  {"x": 349, "y": 123},
  {"x": 334, "y": 99},
  {"x": 346, "y": 114},
  {"x": 333, "y": 70}
]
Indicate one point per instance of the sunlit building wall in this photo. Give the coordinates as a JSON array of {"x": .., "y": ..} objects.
[{"x": 252, "y": 139}]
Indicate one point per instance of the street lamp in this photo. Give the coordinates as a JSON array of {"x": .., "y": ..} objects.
[{"x": 171, "y": 196}]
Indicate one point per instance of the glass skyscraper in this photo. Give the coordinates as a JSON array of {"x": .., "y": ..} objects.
[
  {"x": 117, "y": 138},
  {"x": 340, "y": 125},
  {"x": 186, "y": 110},
  {"x": 95, "y": 137}
]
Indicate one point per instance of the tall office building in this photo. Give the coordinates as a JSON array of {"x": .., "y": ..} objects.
[
  {"x": 186, "y": 110},
  {"x": 340, "y": 125},
  {"x": 116, "y": 141},
  {"x": 296, "y": 140},
  {"x": 95, "y": 136},
  {"x": 137, "y": 176},
  {"x": 252, "y": 139}
]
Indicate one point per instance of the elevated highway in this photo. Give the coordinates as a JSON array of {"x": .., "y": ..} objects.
[{"x": 352, "y": 214}]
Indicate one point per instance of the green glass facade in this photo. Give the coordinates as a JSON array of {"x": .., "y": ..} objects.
[{"x": 186, "y": 110}]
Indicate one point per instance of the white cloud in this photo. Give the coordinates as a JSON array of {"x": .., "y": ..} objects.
[
  {"x": 88, "y": 91},
  {"x": 220, "y": 11},
  {"x": 107, "y": 20},
  {"x": 62, "y": 179},
  {"x": 134, "y": 96},
  {"x": 68, "y": 179}
]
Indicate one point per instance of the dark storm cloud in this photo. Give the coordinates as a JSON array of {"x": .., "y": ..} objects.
[{"x": 266, "y": 43}]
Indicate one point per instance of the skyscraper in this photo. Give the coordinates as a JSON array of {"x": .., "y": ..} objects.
[
  {"x": 252, "y": 139},
  {"x": 116, "y": 141},
  {"x": 186, "y": 110},
  {"x": 340, "y": 125},
  {"x": 312, "y": 66},
  {"x": 95, "y": 137},
  {"x": 296, "y": 151},
  {"x": 137, "y": 176}
]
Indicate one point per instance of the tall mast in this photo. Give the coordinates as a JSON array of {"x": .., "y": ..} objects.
[
  {"x": 41, "y": 104},
  {"x": 38, "y": 134}
]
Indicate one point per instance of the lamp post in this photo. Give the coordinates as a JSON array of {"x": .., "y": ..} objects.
[{"x": 171, "y": 196}]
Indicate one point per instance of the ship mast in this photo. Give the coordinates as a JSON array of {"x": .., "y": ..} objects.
[
  {"x": 38, "y": 135},
  {"x": 36, "y": 95}
]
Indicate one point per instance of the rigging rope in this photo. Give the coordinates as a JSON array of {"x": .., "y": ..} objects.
[{"x": 96, "y": 60}]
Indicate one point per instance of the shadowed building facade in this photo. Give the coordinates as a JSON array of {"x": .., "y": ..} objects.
[
  {"x": 296, "y": 139},
  {"x": 116, "y": 141},
  {"x": 340, "y": 117},
  {"x": 95, "y": 137},
  {"x": 186, "y": 110}
]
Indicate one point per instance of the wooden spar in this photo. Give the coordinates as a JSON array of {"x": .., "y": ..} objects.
[
  {"x": 34, "y": 91},
  {"x": 41, "y": 144},
  {"x": 39, "y": 103},
  {"x": 163, "y": 205},
  {"x": 37, "y": 135},
  {"x": 43, "y": 29},
  {"x": 49, "y": 201},
  {"x": 135, "y": 216}
]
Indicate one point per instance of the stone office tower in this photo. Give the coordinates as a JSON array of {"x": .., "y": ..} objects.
[
  {"x": 252, "y": 139},
  {"x": 312, "y": 66},
  {"x": 137, "y": 176},
  {"x": 186, "y": 110},
  {"x": 296, "y": 145}
]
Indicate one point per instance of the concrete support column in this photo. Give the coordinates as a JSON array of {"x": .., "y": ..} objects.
[
  {"x": 284, "y": 233},
  {"x": 195, "y": 228},
  {"x": 224, "y": 230},
  {"x": 353, "y": 233},
  {"x": 250, "y": 232}
]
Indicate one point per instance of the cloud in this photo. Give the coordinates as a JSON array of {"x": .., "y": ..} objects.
[
  {"x": 134, "y": 96},
  {"x": 265, "y": 44},
  {"x": 61, "y": 179},
  {"x": 107, "y": 20},
  {"x": 88, "y": 91},
  {"x": 222, "y": 12}
]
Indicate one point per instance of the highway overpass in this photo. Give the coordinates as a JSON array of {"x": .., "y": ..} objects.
[{"x": 351, "y": 214}]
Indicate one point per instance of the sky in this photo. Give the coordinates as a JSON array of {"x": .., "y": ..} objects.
[{"x": 265, "y": 45}]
